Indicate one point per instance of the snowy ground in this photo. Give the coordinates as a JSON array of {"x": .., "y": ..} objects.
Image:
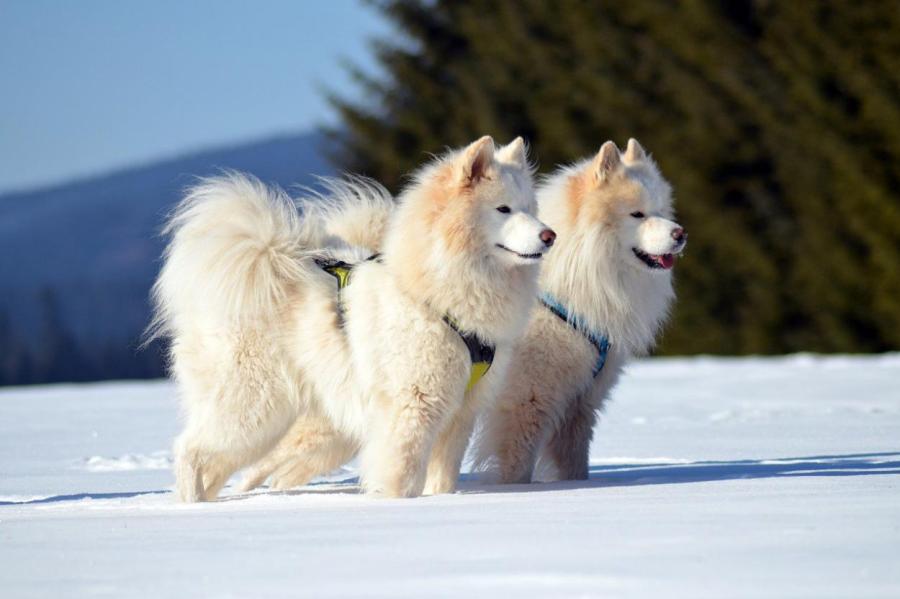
[{"x": 710, "y": 478}]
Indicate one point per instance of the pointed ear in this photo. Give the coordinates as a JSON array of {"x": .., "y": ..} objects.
[
  {"x": 476, "y": 159},
  {"x": 634, "y": 152},
  {"x": 514, "y": 153},
  {"x": 607, "y": 162}
]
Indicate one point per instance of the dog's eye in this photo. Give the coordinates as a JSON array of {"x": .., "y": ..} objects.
[
  {"x": 503, "y": 209},
  {"x": 637, "y": 214}
]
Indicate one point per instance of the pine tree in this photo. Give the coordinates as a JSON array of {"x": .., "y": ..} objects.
[
  {"x": 15, "y": 362},
  {"x": 777, "y": 122},
  {"x": 60, "y": 358}
]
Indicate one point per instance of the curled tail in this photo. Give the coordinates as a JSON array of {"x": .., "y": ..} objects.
[
  {"x": 234, "y": 253},
  {"x": 351, "y": 211}
]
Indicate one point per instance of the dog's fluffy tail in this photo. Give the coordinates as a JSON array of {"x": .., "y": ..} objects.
[
  {"x": 352, "y": 211},
  {"x": 234, "y": 253}
]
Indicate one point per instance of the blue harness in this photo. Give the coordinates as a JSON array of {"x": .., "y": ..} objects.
[{"x": 599, "y": 341}]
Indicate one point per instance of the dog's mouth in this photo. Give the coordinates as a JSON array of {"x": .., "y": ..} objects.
[
  {"x": 661, "y": 261},
  {"x": 537, "y": 256}
]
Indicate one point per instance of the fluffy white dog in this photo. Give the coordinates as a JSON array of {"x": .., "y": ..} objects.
[
  {"x": 266, "y": 328},
  {"x": 606, "y": 290}
]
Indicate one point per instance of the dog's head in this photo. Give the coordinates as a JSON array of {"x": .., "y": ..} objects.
[
  {"x": 466, "y": 240},
  {"x": 504, "y": 193},
  {"x": 482, "y": 204},
  {"x": 624, "y": 197}
]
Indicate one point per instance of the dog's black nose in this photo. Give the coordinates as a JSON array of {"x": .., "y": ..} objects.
[
  {"x": 679, "y": 234},
  {"x": 548, "y": 237}
]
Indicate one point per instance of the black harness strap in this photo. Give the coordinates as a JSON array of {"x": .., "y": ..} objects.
[
  {"x": 481, "y": 354},
  {"x": 478, "y": 350}
]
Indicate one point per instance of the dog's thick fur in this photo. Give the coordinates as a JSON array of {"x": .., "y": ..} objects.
[
  {"x": 603, "y": 209},
  {"x": 548, "y": 404},
  {"x": 261, "y": 336}
]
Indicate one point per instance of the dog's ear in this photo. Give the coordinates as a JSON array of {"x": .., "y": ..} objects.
[
  {"x": 476, "y": 159},
  {"x": 607, "y": 162},
  {"x": 515, "y": 153},
  {"x": 634, "y": 152}
]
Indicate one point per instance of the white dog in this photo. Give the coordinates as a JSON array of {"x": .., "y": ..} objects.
[
  {"x": 606, "y": 290},
  {"x": 265, "y": 328}
]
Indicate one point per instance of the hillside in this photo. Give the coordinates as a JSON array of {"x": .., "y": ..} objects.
[{"x": 77, "y": 260}]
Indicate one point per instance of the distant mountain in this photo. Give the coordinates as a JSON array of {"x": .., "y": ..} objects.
[{"x": 77, "y": 260}]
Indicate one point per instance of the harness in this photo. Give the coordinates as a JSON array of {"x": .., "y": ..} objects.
[
  {"x": 481, "y": 354},
  {"x": 598, "y": 340}
]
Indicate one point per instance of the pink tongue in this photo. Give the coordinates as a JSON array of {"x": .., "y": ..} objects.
[{"x": 666, "y": 260}]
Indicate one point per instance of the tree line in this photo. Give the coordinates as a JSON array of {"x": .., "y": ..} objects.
[
  {"x": 778, "y": 124},
  {"x": 55, "y": 354}
]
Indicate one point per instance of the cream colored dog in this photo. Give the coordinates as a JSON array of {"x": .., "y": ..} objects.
[
  {"x": 261, "y": 335},
  {"x": 606, "y": 290},
  {"x": 609, "y": 275}
]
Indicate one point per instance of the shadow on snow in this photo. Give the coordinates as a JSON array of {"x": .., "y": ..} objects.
[
  {"x": 80, "y": 496},
  {"x": 618, "y": 475},
  {"x": 602, "y": 475}
]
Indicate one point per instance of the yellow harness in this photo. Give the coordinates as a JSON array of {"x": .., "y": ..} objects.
[{"x": 481, "y": 354}]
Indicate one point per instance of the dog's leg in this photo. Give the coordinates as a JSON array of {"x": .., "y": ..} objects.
[
  {"x": 256, "y": 475},
  {"x": 188, "y": 471},
  {"x": 310, "y": 448},
  {"x": 200, "y": 473},
  {"x": 570, "y": 443},
  {"x": 216, "y": 442},
  {"x": 517, "y": 433},
  {"x": 218, "y": 468},
  {"x": 330, "y": 454},
  {"x": 395, "y": 456},
  {"x": 447, "y": 455}
]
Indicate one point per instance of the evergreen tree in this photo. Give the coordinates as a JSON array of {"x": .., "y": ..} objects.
[
  {"x": 15, "y": 362},
  {"x": 778, "y": 124},
  {"x": 59, "y": 358}
]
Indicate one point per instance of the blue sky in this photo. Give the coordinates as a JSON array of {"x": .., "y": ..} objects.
[{"x": 92, "y": 85}]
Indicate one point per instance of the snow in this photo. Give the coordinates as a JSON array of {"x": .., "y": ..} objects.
[{"x": 710, "y": 477}]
